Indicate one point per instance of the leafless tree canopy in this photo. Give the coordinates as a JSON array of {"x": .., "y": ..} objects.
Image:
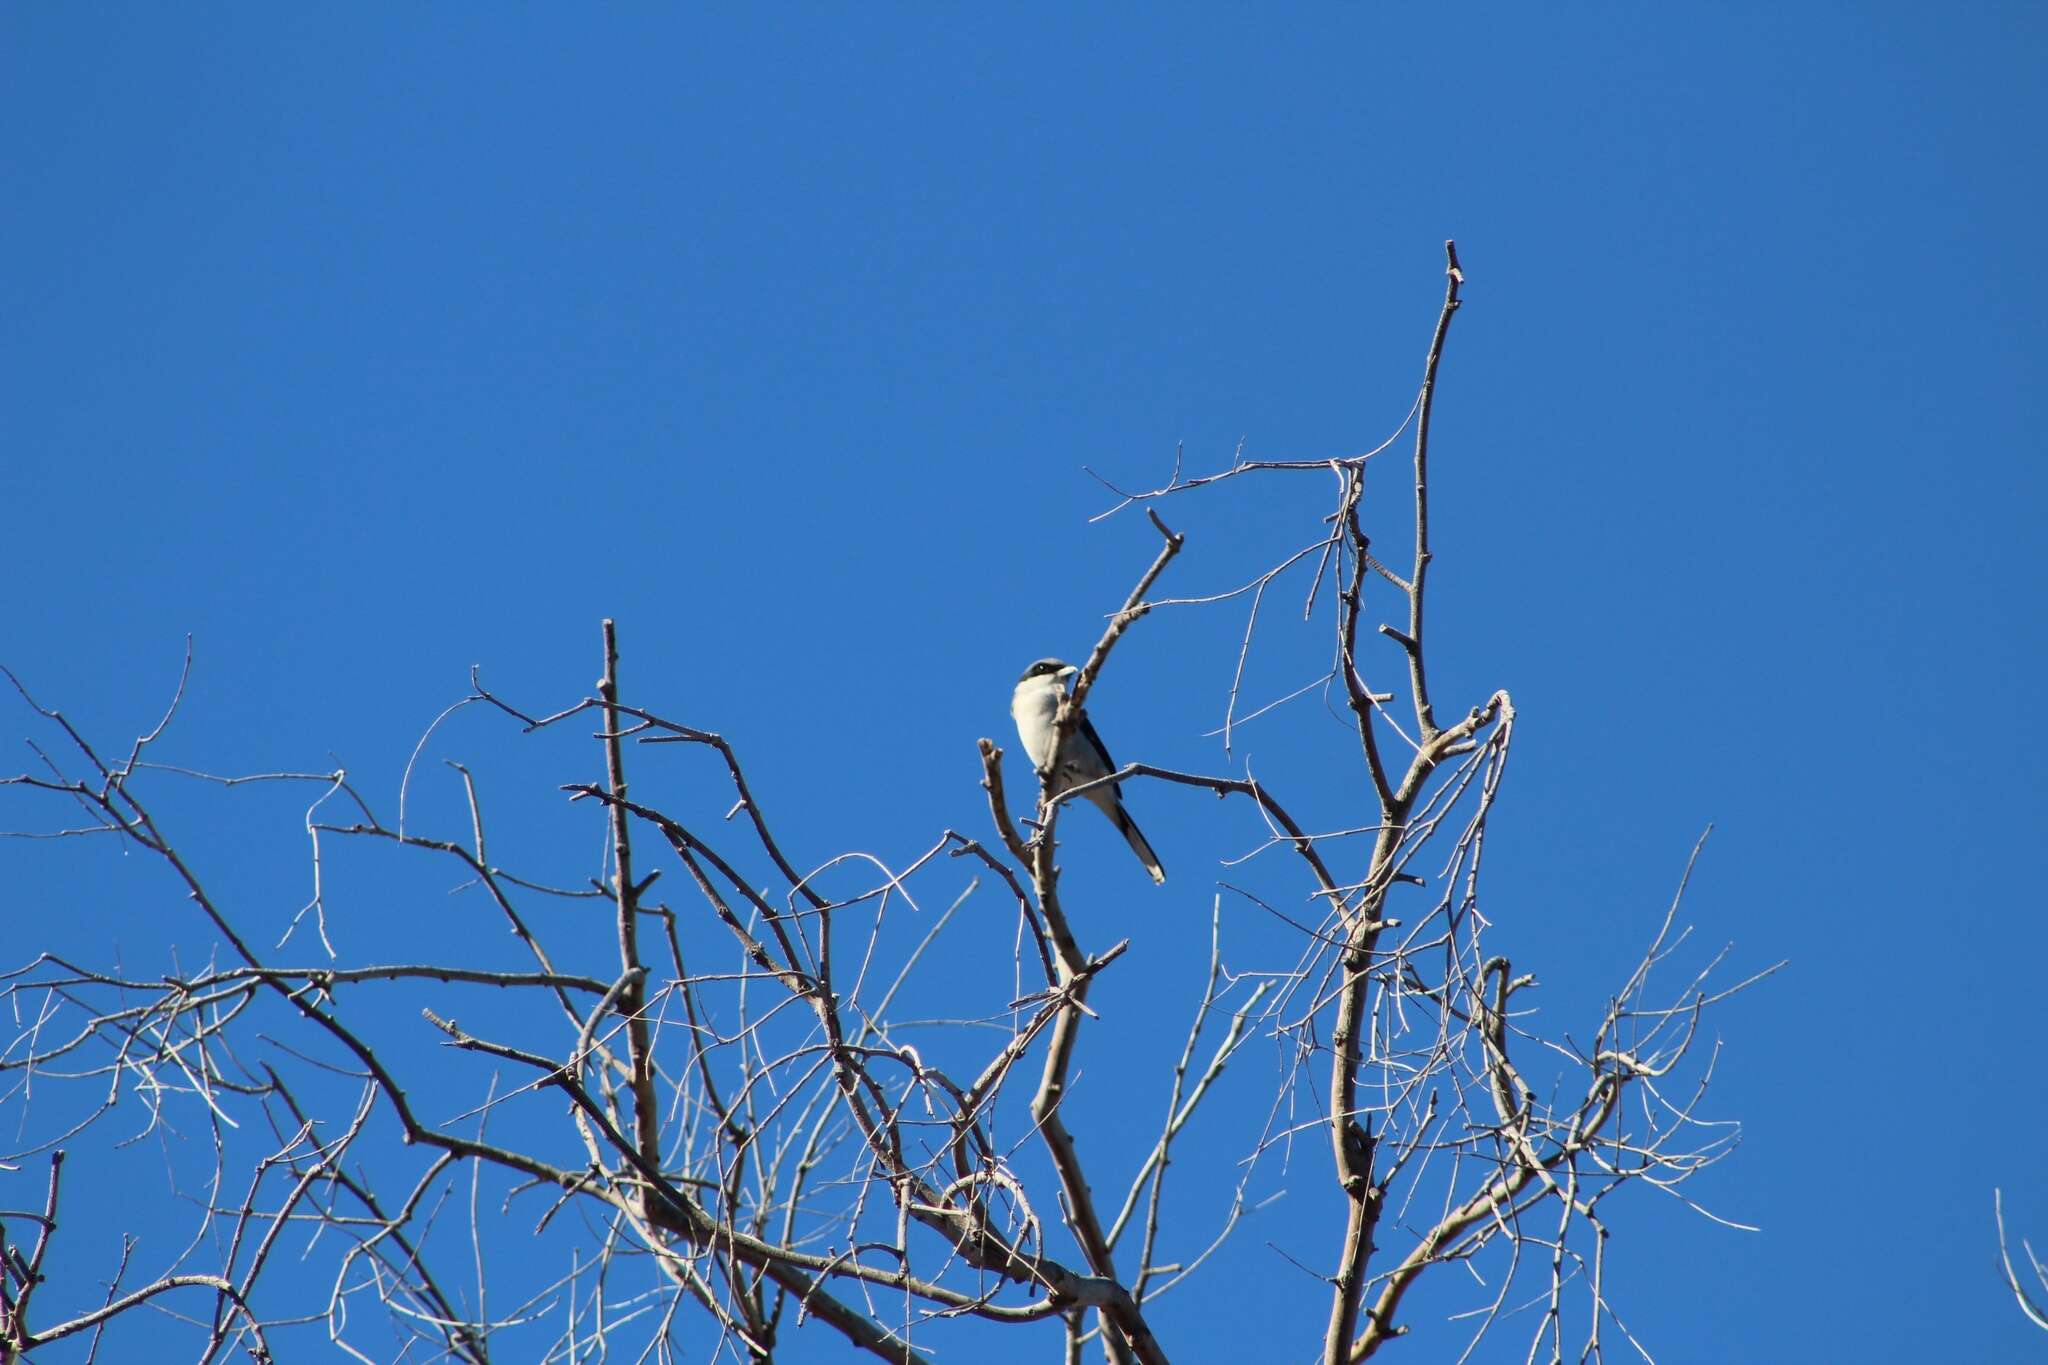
[{"x": 745, "y": 1127}]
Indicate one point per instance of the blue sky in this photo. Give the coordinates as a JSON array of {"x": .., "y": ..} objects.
[{"x": 366, "y": 345}]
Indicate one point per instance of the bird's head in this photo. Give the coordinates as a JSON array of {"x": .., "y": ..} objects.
[{"x": 1054, "y": 669}]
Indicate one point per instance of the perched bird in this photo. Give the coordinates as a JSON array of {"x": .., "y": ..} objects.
[{"x": 1082, "y": 759}]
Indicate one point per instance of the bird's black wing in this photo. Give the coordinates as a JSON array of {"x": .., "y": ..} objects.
[{"x": 1086, "y": 730}]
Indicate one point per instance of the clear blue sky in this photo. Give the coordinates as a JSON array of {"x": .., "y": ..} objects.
[{"x": 368, "y": 343}]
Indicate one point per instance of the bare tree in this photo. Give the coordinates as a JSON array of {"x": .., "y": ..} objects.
[{"x": 737, "y": 1126}]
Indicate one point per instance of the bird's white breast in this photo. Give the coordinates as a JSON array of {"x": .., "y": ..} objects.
[{"x": 1032, "y": 706}]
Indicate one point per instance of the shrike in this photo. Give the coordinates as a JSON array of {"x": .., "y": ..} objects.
[{"x": 1082, "y": 759}]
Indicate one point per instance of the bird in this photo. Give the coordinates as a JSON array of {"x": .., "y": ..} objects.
[{"x": 1083, "y": 758}]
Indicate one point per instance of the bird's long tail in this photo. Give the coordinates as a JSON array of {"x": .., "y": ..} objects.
[{"x": 1136, "y": 839}]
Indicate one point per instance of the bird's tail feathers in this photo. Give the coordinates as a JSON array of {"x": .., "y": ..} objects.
[{"x": 1136, "y": 839}]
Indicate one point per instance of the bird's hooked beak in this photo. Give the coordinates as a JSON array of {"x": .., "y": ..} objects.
[{"x": 1067, "y": 672}]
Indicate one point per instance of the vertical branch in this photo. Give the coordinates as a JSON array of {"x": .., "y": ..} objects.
[
  {"x": 1425, "y": 714},
  {"x": 626, "y": 896},
  {"x": 1350, "y": 1143},
  {"x": 1074, "y": 974},
  {"x": 1125, "y": 1335},
  {"x": 1353, "y": 1154}
]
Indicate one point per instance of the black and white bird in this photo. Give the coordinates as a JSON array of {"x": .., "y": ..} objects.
[{"x": 1082, "y": 759}]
